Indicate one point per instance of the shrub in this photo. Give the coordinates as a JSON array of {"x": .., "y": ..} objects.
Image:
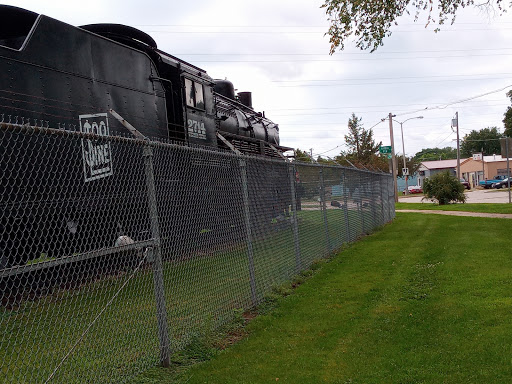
[{"x": 444, "y": 188}]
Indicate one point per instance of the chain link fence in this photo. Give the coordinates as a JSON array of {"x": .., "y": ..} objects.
[{"x": 117, "y": 252}]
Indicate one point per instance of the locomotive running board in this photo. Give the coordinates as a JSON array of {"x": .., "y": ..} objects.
[
  {"x": 279, "y": 153},
  {"x": 230, "y": 146}
]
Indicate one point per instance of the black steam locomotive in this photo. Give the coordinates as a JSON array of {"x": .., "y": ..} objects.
[{"x": 70, "y": 78}]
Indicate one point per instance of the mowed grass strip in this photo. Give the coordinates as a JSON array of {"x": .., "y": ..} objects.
[
  {"x": 427, "y": 299},
  {"x": 468, "y": 207}
]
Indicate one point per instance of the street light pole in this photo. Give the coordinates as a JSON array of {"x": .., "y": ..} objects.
[
  {"x": 403, "y": 150},
  {"x": 393, "y": 158},
  {"x": 455, "y": 124}
]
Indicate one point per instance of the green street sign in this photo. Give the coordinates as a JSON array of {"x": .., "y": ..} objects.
[
  {"x": 389, "y": 156},
  {"x": 385, "y": 149}
]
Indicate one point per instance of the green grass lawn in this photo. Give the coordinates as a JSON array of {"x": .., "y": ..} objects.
[
  {"x": 204, "y": 290},
  {"x": 428, "y": 299},
  {"x": 473, "y": 207}
]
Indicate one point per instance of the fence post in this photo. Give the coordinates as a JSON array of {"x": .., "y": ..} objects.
[
  {"x": 391, "y": 197},
  {"x": 373, "y": 202},
  {"x": 155, "y": 257},
  {"x": 345, "y": 198},
  {"x": 363, "y": 229},
  {"x": 385, "y": 201},
  {"x": 324, "y": 208},
  {"x": 381, "y": 199},
  {"x": 247, "y": 215},
  {"x": 298, "y": 261}
]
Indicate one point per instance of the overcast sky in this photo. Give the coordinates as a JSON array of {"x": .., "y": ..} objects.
[{"x": 278, "y": 51}]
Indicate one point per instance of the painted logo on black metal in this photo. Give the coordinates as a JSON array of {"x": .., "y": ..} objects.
[{"x": 96, "y": 153}]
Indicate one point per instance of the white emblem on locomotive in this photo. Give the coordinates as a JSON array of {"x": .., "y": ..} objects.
[
  {"x": 97, "y": 154},
  {"x": 196, "y": 129}
]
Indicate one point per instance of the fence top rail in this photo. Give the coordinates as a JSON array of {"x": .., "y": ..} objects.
[
  {"x": 335, "y": 166},
  {"x": 34, "y": 129}
]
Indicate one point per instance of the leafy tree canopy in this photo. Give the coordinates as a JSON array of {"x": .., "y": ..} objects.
[
  {"x": 360, "y": 141},
  {"x": 369, "y": 21},
  {"x": 508, "y": 118},
  {"x": 431, "y": 154},
  {"x": 487, "y": 138},
  {"x": 362, "y": 148},
  {"x": 302, "y": 156}
]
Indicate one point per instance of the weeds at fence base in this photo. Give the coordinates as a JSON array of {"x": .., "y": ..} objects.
[{"x": 204, "y": 345}]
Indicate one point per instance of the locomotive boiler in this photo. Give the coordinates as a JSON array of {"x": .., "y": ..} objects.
[{"x": 92, "y": 80}]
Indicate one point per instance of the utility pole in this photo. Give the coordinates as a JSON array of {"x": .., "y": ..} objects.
[
  {"x": 508, "y": 170},
  {"x": 455, "y": 123},
  {"x": 483, "y": 165},
  {"x": 393, "y": 157}
]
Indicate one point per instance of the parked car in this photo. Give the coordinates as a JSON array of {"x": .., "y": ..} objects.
[
  {"x": 465, "y": 183},
  {"x": 502, "y": 184},
  {"x": 414, "y": 189},
  {"x": 488, "y": 183}
]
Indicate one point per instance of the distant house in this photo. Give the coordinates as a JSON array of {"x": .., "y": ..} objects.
[
  {"x": 429, "y": 168},
  {"x": 475, "y": 170}
]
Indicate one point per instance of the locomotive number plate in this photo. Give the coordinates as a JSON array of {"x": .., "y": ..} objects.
[
  {"x": 96, "y": 153},
  {"x": 196, "y": 129}
]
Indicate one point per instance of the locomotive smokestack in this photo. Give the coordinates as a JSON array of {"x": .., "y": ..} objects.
[{"x": 245, "y": 98}]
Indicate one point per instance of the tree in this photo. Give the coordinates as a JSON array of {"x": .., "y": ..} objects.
[
  {"x": 412, "y": 165},
  {"x": 430, "y": 154},
  {"x": 362, "y": 146},
  {"x": 487, "y": 138},
  {"x": 302, "y": 156},
  {"x": 508, "y": 118},
  {"x": 370, "y": 20},
  {"x": 444, "y": 188}
]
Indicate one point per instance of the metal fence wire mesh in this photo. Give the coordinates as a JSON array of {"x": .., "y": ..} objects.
[{"x": 116, "y": 252}]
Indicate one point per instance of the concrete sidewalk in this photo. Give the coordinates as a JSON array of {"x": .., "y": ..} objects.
[{"x": 458, "y": 213}]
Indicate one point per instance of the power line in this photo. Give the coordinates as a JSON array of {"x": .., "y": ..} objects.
[
  {"x": 374, "y": 58},
  {"x": 366, "y": 111},
  {"x": 344, "y": 53},
  {"x": 388, "y": 83},
  {"x": 444, "y": 106},
  {"x": 393, "y": 78},
  {"x": 350, "y": 107},
  {"x": 284, "y": 26},
  {"x": 323, "y": 31}
]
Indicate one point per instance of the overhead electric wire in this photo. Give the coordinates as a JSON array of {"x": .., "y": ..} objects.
[
  {"x": 323, "y": 31},
  {"x": 286, "y": 26},
  {"x": 374, "y": 58},
  {"x": 352, "y": 107},
  {"x": 393, "y": 78},
  {"x": 388, "y": 82},
  {"x": 382, "y": 111},
  {"x": 344, "y": 53},
  {"x": 444, "y": 106}
]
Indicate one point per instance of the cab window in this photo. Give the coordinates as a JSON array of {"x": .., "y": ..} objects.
[{"x": 194, "y": 94}]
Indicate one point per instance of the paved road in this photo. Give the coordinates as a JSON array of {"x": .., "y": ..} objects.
[{"x": 474, "y": 196}]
